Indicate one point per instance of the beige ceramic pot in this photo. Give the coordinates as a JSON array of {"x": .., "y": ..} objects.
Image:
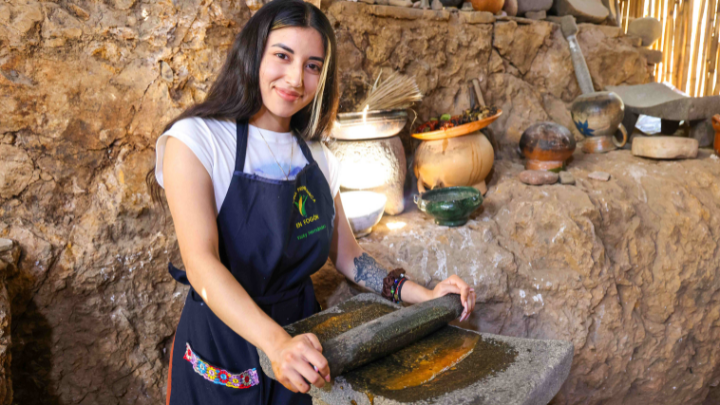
[
  {"x": 461, "y": 161},
  {"x": 493, "y": 6}
]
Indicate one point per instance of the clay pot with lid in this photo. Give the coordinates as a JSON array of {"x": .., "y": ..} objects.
[{"x": 546, "y": 146}]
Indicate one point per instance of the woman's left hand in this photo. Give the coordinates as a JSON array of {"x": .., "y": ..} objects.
[{"x": 456, "y": 285}]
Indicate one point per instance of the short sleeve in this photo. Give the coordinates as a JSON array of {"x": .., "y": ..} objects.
[
  {"x": 195, "y": 134},
  {"x": 334, "y": 169}
]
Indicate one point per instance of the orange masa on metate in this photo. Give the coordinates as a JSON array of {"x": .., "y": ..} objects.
[{"x": 432, "y": 363}]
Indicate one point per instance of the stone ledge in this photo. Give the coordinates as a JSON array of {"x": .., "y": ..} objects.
[
  {"x": 519, "y": 20},
  {"x": 405, "y": 13},
  {"x": 476, "y": 17}
]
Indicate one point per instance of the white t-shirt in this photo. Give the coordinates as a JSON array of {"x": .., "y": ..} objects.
[{"x": 214, "y": 143}]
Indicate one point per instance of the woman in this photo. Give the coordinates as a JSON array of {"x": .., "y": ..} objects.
[{"x": 255, "y": 215}]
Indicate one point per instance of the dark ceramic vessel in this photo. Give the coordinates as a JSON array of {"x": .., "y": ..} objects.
[
  {"x": 450, "y": 206},
  {"x": 546, "y": 146}
]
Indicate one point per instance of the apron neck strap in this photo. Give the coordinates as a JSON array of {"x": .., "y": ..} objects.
[
  {"x": 305, "y": 150},
  {"x": 242, "y": 139}
]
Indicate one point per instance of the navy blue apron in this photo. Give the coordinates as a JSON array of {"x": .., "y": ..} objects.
[{"x": 273, "y": 236}]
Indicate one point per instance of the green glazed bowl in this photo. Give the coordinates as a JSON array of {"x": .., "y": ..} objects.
[{"x": 450, "y": 206}]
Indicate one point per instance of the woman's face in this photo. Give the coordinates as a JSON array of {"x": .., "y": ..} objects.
[{"x": 290, "y": 69}]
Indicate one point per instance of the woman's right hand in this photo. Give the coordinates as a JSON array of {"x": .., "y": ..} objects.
[{"x": 293, "y": 360}]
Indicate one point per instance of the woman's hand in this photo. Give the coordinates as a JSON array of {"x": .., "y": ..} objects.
[
  {"x": 293, "y": 361},
  {"x": 455, "y": 285}
]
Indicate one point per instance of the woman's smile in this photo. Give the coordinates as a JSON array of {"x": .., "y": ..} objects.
[{"x": 288, "y": 95}]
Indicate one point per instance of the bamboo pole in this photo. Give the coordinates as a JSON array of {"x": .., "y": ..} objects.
[
  {"x": 662, "y": 71},
  {"x": 626, "y": 14},
  {"x": 685, "y": 45},
  {"x": 687, "y": 52},
  {"x": 670, "y": 37},
  {"x": 716, "y": 86},
  {"x": 628, "y": 6},
  {"x": 674, "y": 39},
  {"x": 714, "y": 53},
  {"x": 679, "y": 44},
  {"x": 710, "y": 58},
  {"x": 693, "y": 61},
  {"x": 657, "y": 45},
  {"x": 708, "y": 29},
  {"x": 679, "y": 20}
]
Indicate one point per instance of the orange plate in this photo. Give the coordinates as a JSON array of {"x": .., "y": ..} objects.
[{"x": 461, "y": 130}]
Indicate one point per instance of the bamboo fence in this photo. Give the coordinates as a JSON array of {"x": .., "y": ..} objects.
[{"x": 689, "y": 41}]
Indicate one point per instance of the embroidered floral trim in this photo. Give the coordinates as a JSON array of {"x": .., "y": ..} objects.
[{"x": 246, "y": 379}]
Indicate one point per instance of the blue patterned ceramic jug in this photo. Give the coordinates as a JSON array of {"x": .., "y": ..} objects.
[{"x": 598, "y": 116}]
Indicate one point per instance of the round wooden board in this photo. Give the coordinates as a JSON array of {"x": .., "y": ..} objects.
[{"x": 457, "y": 131}]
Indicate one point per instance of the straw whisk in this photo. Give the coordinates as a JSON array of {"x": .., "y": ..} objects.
[{"x": 396, "y": 92}]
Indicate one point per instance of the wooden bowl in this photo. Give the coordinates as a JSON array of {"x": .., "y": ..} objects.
[
  {"x": 493, "y": 6},
  {"x": 459, "y": 130},
  {"x": 546, "y": 146}
]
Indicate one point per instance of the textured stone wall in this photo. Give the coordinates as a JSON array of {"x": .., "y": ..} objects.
[{"x": 85, "y": 88}]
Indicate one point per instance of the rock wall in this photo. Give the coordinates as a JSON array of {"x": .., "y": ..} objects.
[{"x": 85, "y": 88}]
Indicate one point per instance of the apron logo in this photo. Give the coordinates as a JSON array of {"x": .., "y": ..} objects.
[
  {"x": 301, "y": 203},
  {"x": 301, "y": 200},
  {"x": 302, "y": 197}
]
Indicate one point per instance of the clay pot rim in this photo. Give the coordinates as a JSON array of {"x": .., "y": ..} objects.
[
  {"x": 347, "y": 118},
  {"x": 461, "y": 130}
]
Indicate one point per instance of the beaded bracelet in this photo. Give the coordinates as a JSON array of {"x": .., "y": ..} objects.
[
  {"x": 392, "y": 284},
  {"x": 399, "y": 288}
]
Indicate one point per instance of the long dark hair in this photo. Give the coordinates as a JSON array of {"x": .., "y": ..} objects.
[{"x": 235, "y": 94}]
